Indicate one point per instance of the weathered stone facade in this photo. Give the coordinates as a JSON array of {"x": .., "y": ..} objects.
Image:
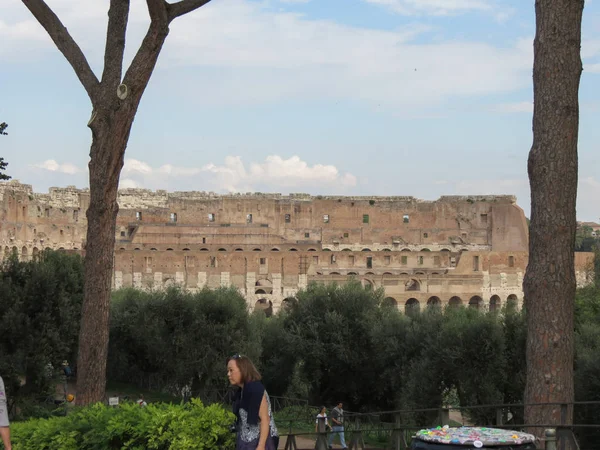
[{"x": 456, "y": 250}]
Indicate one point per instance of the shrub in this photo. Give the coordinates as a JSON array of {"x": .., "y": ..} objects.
[{"x": 158, "y": 426}]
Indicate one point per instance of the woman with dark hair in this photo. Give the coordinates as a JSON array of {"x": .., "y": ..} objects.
[{"x": 255, "y": 426}]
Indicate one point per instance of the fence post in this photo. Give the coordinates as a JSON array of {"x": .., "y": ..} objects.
[
  {"x": 550, "y": 439},
  {"x": 396, "y": 435},
  {"x": 563, "y": 421},
  {"x": 499, "y": 416},
  {"x": 444, "y": 416}
]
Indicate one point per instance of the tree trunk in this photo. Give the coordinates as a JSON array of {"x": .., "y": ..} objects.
[
  {"x": 550, "y": 283},
  {"x": 110, "y": 136}
]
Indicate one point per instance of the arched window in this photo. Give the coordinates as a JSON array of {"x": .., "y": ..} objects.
[
  {"x": 475, "y": 302},
  {"x": 455, "y": 301},
  {"x": 412, "y": 306},
  {"x": 390, "y": 302},
  {"x": 434, "y": 302}
]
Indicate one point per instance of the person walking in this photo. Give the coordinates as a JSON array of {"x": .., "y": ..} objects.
[
  {"x": 255, "y": 425},
  {"x": 4, "y": 424},
  {"x": 321, "y": 426},
  {"x": 337, "y": 420}
]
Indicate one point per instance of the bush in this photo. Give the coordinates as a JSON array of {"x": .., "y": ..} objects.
[
  {"x": 157, "y": 426},
  {"x": 172, "y": 339}
]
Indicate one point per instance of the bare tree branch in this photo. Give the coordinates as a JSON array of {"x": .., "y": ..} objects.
[
  {"x": 157, "y": 10},
  {"x": 141, "y": 68},
  {"x": 118, "y": 15},
  {"x": 65, "y": 43},
  {"x": 183, "y": 7}
]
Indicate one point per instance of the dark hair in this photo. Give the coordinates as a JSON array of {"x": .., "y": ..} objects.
[{"x": 247, "y": 368}]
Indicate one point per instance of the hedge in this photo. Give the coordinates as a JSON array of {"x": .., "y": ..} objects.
[{"x": 158, "y": 426}]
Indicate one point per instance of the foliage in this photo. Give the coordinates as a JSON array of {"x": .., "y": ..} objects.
[
  {"x": 40, "y": 310},
  {"x": 587, "y": 362},
  {"x": 157, "y": 426},
  {"x": 322, "y": 344},
  {"x": 3, "y": 163},
  {"x": 584, "y": 240},
  {"x": 168, "y": 340}
]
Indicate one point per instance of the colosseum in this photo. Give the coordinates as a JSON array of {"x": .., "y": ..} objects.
[{"x": 468, "y": 250}]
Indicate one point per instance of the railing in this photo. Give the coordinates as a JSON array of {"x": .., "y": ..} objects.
[{"x": 395, "y": 429}]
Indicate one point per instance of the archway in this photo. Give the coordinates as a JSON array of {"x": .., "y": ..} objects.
[
  {"x": 288, "y": 303},
  {"x": 434, "y": 302},
  {"x": 455, "y": 302},
  {"x": 24, "y": 255},
  {"x": 390, "y": 302},
  {"x": 412, "y": 306},
  {"x": 512, "y": 302},
  {"x": 475, "y": 302},
  {"x": 412, "y": 285},
  {"x": 264, "y": 305},
  {"x": 495, "y": 303},
  {"x": 263, "y": 286}
]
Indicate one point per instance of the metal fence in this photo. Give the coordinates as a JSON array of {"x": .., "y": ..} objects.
[{"x": 395, "y": 429}]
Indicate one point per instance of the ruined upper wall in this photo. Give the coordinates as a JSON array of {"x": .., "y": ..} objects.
[
  {"x": 495, "y": 222},
  {"x": 71, "y": 196}
]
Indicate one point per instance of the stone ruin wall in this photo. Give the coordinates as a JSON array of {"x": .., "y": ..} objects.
[{"x": 269, "y": 245}]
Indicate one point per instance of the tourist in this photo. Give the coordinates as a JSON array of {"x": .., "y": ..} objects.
[
  {"x": 255, "y": 426},
  {"x": 337, "y": 419},
  {"x": 4, "y": 425},
  {"x": 321, "y": 425},
  {"x": 141, "y": 402}
]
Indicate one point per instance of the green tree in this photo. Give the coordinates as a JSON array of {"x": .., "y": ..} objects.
[
  {"x": 328, "y": 334},
  {"x": 40, "y": 310},
  {"x": 115, "y": 98},
  {"x": 168, "y": 340},
  {"x": 3, "y": 164}
]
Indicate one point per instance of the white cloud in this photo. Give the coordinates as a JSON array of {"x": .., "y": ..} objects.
[
  {"x": 134, "y": 166},
  {"x": 273, "y": 174},
  {"x": 52, "y": 166},
  {"x": 435, "y": 7},
  {"x": 127, "y": 183},
  {"x": 243, "y": 52}
]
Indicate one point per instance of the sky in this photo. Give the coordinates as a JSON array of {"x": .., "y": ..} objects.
[{"x": 333, "y": 97}]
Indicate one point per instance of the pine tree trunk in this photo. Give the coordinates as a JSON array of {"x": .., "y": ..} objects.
[
  {"x": 111, "y": 134},
  {"x": 550, "y": 283}
]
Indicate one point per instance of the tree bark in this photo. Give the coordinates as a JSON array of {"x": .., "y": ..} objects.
[
  {"x": 550, "y": 283},
  {"x": 111, "y": 122}
]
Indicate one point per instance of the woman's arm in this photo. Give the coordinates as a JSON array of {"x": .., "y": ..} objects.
[{"x": 265, "y": 422}]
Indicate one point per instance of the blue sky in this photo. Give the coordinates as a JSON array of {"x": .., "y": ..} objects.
[{"x": 353, "y": 97}]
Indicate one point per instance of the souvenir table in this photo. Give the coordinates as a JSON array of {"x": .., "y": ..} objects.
[{"x": 474, "y": 436}]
